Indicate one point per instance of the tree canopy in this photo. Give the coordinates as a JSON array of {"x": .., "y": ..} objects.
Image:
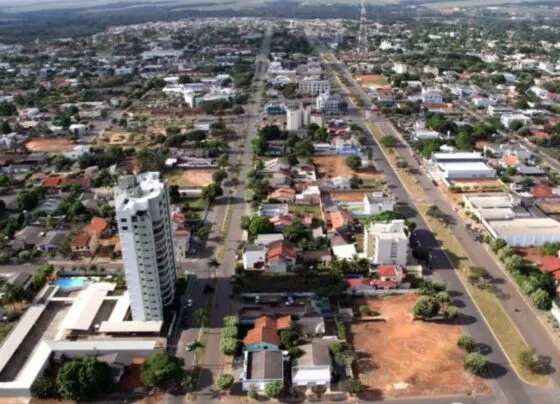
[
  {"x": 84, "y": 379},
  {"x": 162, "y": 370}
]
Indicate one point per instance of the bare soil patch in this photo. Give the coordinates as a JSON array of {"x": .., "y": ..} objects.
[
  {"x": 405, "y": 358},
  {"x": 335, "y": 166},
  {"x": 50, "y": 145},
  {"x": 191, "y": 178}
]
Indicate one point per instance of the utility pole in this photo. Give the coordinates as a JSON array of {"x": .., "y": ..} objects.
[{"x": 362, "y": 38}]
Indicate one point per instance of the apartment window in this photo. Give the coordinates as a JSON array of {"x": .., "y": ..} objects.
[
  {"x": 134, "y": 219},
  {"x": 123, "y": 221},
  {"x": 124, "y": 228}
]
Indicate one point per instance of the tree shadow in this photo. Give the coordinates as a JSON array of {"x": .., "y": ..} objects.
[{"x": 495, "y": 371}]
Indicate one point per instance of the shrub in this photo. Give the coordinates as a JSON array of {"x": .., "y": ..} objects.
[
  {"x": 224, "y": 381},
  {"x": 425, "y": 307},
  {"x": 541, "y": 299},
  {"x": 44, "y": 388},
  {"x": 443, "y": 297},
  {"x": 273, "y": 389},
  {"x": 527, "y": 358},
  {"x": 476, "y": 364},
  {"x": 365, "y": 310},
  {"x": 452, "y": 312},
  {"x": 229, "y": 346},
  {"x": 351, "y": 386},
  {"x": 229, "y": 332},
  {"x": 467, "y": 343},
  {"x": 295, "y": 352},
  {"x": 340, "y": 329},
  {"x": 252, "y": 392},
  {"x": 231, "y": 321}
]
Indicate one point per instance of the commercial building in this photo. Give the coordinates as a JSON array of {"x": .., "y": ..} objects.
[
  {"x": 461, "y": 165},
  {"x": 525, "y": 232},
  {"x": 144, "y": 224},
  {"x": 492, "y": 205},
  {"x": 311, "y": 86},
  {"x": 377, "y": 202},
  {"x": 386, "y": 243},
  {"x": 330, "y": 104}
]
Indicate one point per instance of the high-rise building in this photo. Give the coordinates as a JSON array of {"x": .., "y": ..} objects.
[
  {"x": 143, "y": 218},
  {"x": 386, "y": 243}
]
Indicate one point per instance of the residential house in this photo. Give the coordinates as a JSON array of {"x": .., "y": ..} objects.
[
  {"x": 99, "y": 227},
  {"x": 311, "y": 195},
  {"x": 52, "y": 183},
  {"x": 386, "y": 243},
  {"x": 314, "y": 367},
  {"x": 266, "y": 239},
  {"x": 52, "y": 240},
  {"x": 391, "y": 273},
  {"x": 313, "y": 257},
  {"x": 262, "y": 368},
  {"x": 362, "y": 286},
  {"x": 339, "y": 220},
  {"x": 285, "y": 195},
  {"x": 264, "y": 334},
  {"x": 551, "y": 265},
  {"x": 377, "y": 202},
  {"x": 28, "y": 237},
  {"x": 281, "y": 256},
  {"x": 254, "y": 257},
  {"x": 273, "y": 209},
  {"x": 345, "y": 251},
  {"x": 280, "y": 222},
  {"x": 84, "y": 245},
  {"x": 312, "y": 326}
]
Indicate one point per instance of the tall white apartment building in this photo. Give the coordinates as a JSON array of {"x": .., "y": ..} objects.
[
  {"x": 386, "y": 243},
  {"x": 312, "y": 86},
  {"x": 143, "y": 217}
]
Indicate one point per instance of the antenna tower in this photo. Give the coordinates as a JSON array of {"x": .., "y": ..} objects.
[{"x": 362, "y": 38}]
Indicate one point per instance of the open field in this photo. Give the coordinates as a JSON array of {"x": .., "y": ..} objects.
[
  {"x": 190, "y": 178},
  {"x": 334, "y": 166},
  {"x": 50, "y": 145},
  {"x": 400, "y": 357},
  {"x": 349, "y": 196},
  {"x": 313, "y": 210}
]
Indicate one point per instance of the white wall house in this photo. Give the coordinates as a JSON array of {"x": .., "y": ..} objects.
[
  {"x": 144, "y": 224},
  {"x": 254, "y": 257},
  {"x": 311, "y": 86},
  {"x": 386, "y": 243},
  {"x": 377, "y": 202}
]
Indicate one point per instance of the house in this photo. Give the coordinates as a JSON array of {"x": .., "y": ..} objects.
[
  {"x": 311, "y": 195},
  {"x": 339, "y": 219},
  {"x": 266, "y": 239},
  {"x": 425, "y": 134},
  {"x": 286, "y": 195},
  {"x": 281, "y": 256},
  {"x": 386, "y": 243},
  {"x": 273, "y": 209},
  {"x": 313, "y": 368},
  {"x": 391, "y": 273},
  {"x": 52, "y": 240},
  {"x": 261, "y": 368},
  {"x": 264, "y": 334},
  {"x": 280, "y": 222},
  {"x": 377, "y": 202},
  {"x": 29, "y": 237},
  {"x": 83, "y": 244},
  {"x": 99, "y": 227},
  {"x": 316, "y": 257},
  {"x": 551, "y": 265},
  {"x": 507, "y": 119},
  {"x": 52, "y": 182},
  {"x": 313, "y": 326},
  {"x": 361, "y": 286},
  {"x": 340, "y": 183},
  {"x": 254, "y": 257},
  {"x": 345, "y": 251}
]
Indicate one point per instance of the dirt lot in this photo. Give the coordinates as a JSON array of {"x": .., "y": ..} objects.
[
  {"x": 550, "y": 208},
  {"x": 334, "y": 166},
  {"x": 190, "y": 178},
  {"x": 406, "y": 358},
  {"x": 349, "y": 196},
  {"x": 51, "y": 145}
]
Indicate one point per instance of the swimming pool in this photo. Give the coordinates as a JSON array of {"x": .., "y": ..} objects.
[{"x": 67, "y": 283}]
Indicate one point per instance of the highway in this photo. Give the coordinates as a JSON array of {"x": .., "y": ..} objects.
[{"x": 507, "y": 388}]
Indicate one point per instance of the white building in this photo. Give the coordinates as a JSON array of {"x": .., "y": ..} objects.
[
  {"x": 316, "y": 118},
  {"x": 330, "y": 104},
  {"x": 294, "y": 119},
  {"x": 377, "y": 202},
  {"x": 386, "y": 243},
  {"x": 525, "y": 232},
  {"x": 400, "y": 68},
  {"x": 539, "y": 92},
  {"x": 311, "y": 86},
  {"x": 491, "y": 205},
  {"x": 143, "y": 217},
  {"x": 78, "y": 129},
  {"x": 425, "y": 134},
  {"x": 506, "y": 120},
  {"x": 254, "y": 257}
]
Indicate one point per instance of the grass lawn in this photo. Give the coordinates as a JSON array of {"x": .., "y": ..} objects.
[
  {"x": 502, "y": 326},
  {"x": 4, "y": 331},
  {"x": 196, "y": 204},
  {"x": 175, "y": 177},
  {"x": 313, "y": 210}
]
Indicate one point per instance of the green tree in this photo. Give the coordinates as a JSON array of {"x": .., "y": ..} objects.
[
  {"x": 273, "y": 389},
  {"x": 513, "y": 263},
  {"x": 353, "y": 162},
  {"x": 229, "y": 346},
  {"x": 434, "y": 211},
  {"x": 44, "y": 388},
  {"x": 541, "y": 299},
  {"x": 84, "y": 379},
  {"x": 467, "y": 343},
  {"x": 289, "y": 338},
  {"x": 443, "y": 297},
  {"x": 189, "y": 382},
  {"x": 497, "y": 244},
  {"x": 229, "y": 332},
  {"x": 26, "y": 200},
  {"x": 161, "y": 371},
  {"x": 464, "y": 140},
  {"x": 260, "y": 225},
  {"x": 452, "y": 312},
  {"x": 425, "y": 307},
  {"x": 476, "y": 364},
  {"x": 389, "y": 141},
  {"x": 211, "y": 192},
  {"x": 304, "y": 148},
  {"x": 260, "y": 145},
  {"x": 515, "y": 125},
  {"x": 231, "y": 321},
  {"x": 527, "y": 358},
  {"x": 252, "y": 393},
  {"x": 351, "y": 386},
  {"x": 201, "y": 316},
  {"x": 224, "y": 381}
]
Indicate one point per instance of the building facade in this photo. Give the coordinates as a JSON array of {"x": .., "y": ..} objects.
[
  {"x": 314, "y": 87},
  {"x": 144, "y": 224},
  {"x": 386, "y": 243}
]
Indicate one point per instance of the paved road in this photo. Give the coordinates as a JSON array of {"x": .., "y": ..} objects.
[
  {"x": 213, "y": 361},
  {"x": 506, "y": 385}
]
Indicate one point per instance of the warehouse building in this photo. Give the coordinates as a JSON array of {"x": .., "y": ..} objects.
[
  {"x": 493, "y": 206},
  {"x": 460, "y": 165},
  {"x": 525, "y": 232}
]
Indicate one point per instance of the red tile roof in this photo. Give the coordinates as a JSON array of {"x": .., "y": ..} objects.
[
  {"x": 266, "y": 330},
  {"x": 384, "y": 284},
  {"x": 550, "y": 264},
  {"x": 98, "y": 225},
  {"x": 281, "y": 249},
  {"x": 510, "y": 161},
  {"x": 81, "y": 240},
  {"x": 542, "y": 192},
  {"x": 387, "y": 271},
  {"x": 52, "y": 182},
  {"x": 355, "y": 282}
]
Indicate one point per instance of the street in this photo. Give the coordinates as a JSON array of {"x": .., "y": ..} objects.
[
  {"x": 212, "y": 362},
  {"x": 506, "y": 385}
]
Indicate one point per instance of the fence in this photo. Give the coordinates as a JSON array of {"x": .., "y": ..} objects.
[{"x": 381, "y": 292}]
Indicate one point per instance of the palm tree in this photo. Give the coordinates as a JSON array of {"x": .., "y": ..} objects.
[
  {"x": 213, "y": 263},
  {"x": 201, "y": 317}
]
